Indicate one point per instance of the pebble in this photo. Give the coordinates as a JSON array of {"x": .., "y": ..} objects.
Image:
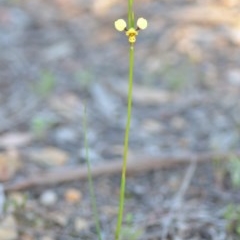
[
  {"x": 152, "y": 126},
  {"x": 59, "y": 218},
  {"x": 109, "y": 211},
  {"x": 48, "y": 198},
  {"x": 139, "y": 190},
  {"x": 234, "y": 35},
  {"x": 178, "y": 123},
  {"x": 66, "y": 135},
  {"x": 174, "y": 183},
  {"x": 73, "y": 195},
  {"x": 224, "y": 140},
  {"x": 46, "y": 238},
  {"x": 233, "y": 77},
  {"x": 152, "y": 149},
  {"x": 57, "y": 51},
  {"x": 222, "y": 122},
  {"x": 93, "y": 155},
  {"x": 80, "y": 224}
]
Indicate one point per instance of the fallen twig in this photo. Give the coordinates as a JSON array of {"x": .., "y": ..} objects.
[{"x": 136, "y": 165}]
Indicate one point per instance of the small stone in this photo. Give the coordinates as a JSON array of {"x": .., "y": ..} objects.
[
  {"x": 178, "y": 123},
  {"x": 174, "y": 183},
  {"x": 139, "y": 190},
  {"x": 234, "y": 35},
  {"x": 221, "y": 122},
  {"x": 57, "y": 51},
  {"x": 224, "y": 141},
  {"x": 48, "y": 198},
  {"x": 73, "y": 195},
  {"x": 109, "y": 211},
  {"x": 80, "y": 224},
  {"x": 152, "y": 126},
  {"x": 151, "y": 149},
  {"x": 8, "y": 228},
  {"x": 66, "y": 135},
  {"x": 59, "y": 218},
  {"x": 46, "y": 238},
  {"x": 93, "y": 155},
  {"x": 233, "y": 77}
]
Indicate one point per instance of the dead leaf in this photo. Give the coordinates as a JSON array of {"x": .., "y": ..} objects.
[
  {"x": 49, "y": 156},
  {"x": 9, "y": 164},
  {"x": 15, "y": 139}
]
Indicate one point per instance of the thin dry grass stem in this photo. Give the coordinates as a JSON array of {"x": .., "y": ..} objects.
[{"x": 178, "y": 199}]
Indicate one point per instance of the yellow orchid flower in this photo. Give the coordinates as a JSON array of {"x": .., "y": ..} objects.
[{"x": 121, "y": 25}]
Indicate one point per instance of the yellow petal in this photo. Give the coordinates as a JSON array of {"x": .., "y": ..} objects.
[
  {"x": 131, "y": 31},
  {"x": 120, "y": 25},
  {"x": 142, "y": 23}
]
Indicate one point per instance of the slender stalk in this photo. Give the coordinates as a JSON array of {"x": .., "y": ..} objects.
[
  {"x": 90, "y": 181},
  {"x": 125, "y": 153},
  {"x": 130, "y": 14}
]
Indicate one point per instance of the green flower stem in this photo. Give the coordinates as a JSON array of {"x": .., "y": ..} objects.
[
  {"x": 130, "y": 14},
  {"x": 125, "y": 154},
  {"x": 90, "y": 181}
]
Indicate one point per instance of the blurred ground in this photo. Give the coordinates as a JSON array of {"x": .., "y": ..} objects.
[{"x": 57, "y": 56}]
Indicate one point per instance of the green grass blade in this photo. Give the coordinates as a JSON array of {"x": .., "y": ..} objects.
[{"x": 90, "y": 181}]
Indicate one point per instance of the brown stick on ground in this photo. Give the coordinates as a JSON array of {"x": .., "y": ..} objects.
[{"x": 137, "y": 165}]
